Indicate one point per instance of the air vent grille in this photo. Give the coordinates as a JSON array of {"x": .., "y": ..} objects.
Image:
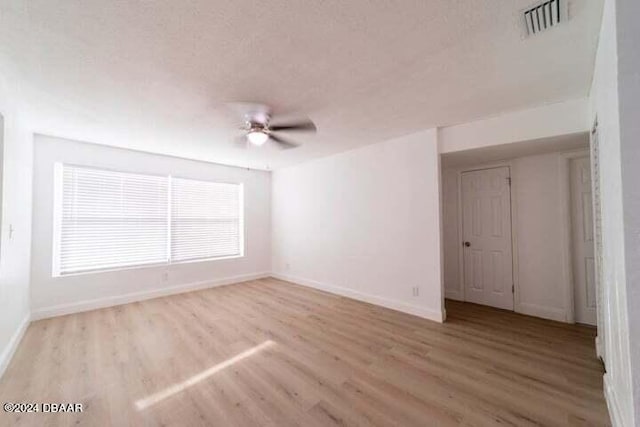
[{"x": 543, "y": 16}]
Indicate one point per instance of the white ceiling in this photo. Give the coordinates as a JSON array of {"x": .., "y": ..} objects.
[{"x": 154, "y": 74}]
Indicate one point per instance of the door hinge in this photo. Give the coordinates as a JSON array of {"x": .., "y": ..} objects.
[
  {"x": 509, "y": 181},
  {"x": 513, "y": 289}
]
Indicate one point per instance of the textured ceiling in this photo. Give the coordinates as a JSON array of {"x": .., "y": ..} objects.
[{"x": 154, "y": 74}]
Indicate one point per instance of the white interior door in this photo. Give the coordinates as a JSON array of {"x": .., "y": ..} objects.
[
  {"x": 486, "y": 231},
  {"x": 582, "y": 241}
]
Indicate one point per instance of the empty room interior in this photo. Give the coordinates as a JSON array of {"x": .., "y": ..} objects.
[{"x": 317, "y": 213}]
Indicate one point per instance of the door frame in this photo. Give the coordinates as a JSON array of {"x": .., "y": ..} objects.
[
  {"x": 564, "y": 160},
  {"x": 514, "y": 241}
]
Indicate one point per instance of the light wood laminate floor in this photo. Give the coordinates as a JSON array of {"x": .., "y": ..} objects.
[{"x": 271, "y": 353}]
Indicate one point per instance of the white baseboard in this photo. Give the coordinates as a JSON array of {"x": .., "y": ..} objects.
[
  {"x": 371, "y": 299},
  {"x": 550, "y": 313},
  {"x": 598, "y": 347},
  {"x": 12, "y": 345},
  {"x": 615, "y": 413},
  {"x": 86, "y": 305}
]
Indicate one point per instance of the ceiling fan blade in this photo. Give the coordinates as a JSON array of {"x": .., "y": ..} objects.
[
  {"x": 283, "y": 143},
  {"x": 307, "y": 126}
]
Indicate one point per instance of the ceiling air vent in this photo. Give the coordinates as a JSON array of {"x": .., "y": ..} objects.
[{"x": 544, "y": 15}]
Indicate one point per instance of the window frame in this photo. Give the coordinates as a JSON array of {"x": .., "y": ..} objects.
[{"x": 58, "y": 197}]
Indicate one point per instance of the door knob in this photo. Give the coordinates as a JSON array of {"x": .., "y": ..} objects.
[{"x": 467, "y": 244}]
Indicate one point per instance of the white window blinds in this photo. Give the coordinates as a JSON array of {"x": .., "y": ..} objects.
[
  {"x": 108, "y": 219},
  {"x": 206, "y": 219}
]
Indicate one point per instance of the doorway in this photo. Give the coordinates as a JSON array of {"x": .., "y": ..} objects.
[{"x": 486, "y": 231}]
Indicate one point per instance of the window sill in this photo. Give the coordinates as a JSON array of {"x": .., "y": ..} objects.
[
  {"x": 191, "y": 261},
  {"x": 145, "y": 266}
]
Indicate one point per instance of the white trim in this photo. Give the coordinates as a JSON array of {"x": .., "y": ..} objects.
[
  {"x": 86, "y": 305},
  {"x": 596, "y": 201},
  {"x": 436, "y": 316},
  {"x": 615, "y": 413},
  {"x": 513, "y": 192},
  {"x": 440, "y": 221},
  {"x": 12, "y": 345},
  {"x": 551, "y": 313}
]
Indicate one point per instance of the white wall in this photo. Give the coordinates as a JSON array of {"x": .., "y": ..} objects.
[
  {"x": 628, "y": 34},
  {"x": 546, "y": 121},
  {"x": 55, "y": 295},
  {"x": 365, "y": 224},
  {"x": 616, "y": 280},
  {"x": 16, "y": 214},
  {"x": 542, "y": 278}
]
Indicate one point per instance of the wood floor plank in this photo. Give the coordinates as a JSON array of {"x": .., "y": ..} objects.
[{"x": 271, "y": 353}]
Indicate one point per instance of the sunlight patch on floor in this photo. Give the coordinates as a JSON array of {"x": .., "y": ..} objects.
[{"x": 151, "y": 400}]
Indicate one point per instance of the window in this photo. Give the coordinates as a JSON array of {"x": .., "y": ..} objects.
[
  {"x": 107, "y": 220},
  {"x": 205, "y": 219}
]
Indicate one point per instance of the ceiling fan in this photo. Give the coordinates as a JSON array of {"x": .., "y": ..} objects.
[{"x": 259, "y": 129}]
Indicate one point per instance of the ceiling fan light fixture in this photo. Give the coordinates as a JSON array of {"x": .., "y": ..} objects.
[
  {"x": 257, "y": 137},
  {"x": 257, "y": 129}
]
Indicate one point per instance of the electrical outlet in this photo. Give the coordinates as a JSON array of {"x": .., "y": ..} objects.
[
  {"x": 165, "y": 276},
  {"x": 287, "y": 266},
  {"x": 415, "y": 291}
]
